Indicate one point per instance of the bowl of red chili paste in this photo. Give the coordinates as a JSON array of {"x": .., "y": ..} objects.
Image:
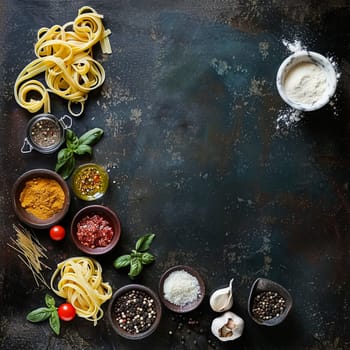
[{"x": 95, "y": 229}]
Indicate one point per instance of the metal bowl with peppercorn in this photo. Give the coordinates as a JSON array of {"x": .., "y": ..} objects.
[
  {"x": 269, "y": 303},
  {"x": 95, "y": 229},
  {"x": 134, "y": 312}
]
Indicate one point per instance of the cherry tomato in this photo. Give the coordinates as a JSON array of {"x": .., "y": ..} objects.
[
  {"x": 66, "y": 312},
  {"x": 57, "y": 233}
]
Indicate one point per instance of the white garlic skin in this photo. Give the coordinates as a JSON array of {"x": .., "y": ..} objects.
[
  {"x": 222, "y": 320},
  {"x": 222, "y": 300}
]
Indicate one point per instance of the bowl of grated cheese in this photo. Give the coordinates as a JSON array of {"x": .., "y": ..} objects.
[{"x": 181, "y": 288}]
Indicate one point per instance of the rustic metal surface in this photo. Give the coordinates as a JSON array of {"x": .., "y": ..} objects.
[{"x": 197, "y": 154}]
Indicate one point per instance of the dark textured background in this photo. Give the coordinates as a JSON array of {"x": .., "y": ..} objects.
[{"x": 196, "y": 155}]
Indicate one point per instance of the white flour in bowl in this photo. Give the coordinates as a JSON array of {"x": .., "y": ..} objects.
[{"x": 305, "y": 83}]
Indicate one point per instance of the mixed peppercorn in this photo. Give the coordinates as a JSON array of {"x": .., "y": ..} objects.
[
  {"x": 267, "y": 305},
  {"x": 135, "y": 311},
  {"x": 45, "y": 133}
]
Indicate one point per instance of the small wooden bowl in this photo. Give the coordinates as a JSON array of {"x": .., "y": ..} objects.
[
  {"x": 111, "y": 317},
  {"x": 264, "y": 285},
  {"x": 187, "y": 307},
  {"x": 107, "y": 214},
  {"x": 29, "y": 218}
]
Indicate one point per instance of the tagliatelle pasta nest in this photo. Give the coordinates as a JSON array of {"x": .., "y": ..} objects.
[
  {"x": 80, "y": 283},
  {"x": 64, "y": 56}
]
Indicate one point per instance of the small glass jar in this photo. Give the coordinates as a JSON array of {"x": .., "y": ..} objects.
[
  {"x": 90, "y": 181},
  {"x": 45, "y": 133}
]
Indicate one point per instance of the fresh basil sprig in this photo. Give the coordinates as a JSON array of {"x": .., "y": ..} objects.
[
  {"x": 138, "y": 256},
  {"x": 75, "y": 146},
  {"x": 44, "y": 313}
]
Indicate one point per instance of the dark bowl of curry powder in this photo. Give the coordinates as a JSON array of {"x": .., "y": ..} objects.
[{"x": 40, "y": 198}]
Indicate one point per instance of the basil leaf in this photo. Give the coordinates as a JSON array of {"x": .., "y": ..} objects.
[
  {"x": 135, "y": 267},
  {"x": 55, "y": 322},
  {"x": 144, "y": 242},
  {"x": 91, "y": 136},
  {"x": 82, "y": 149},
  {"x": 63, "y": 156},
  {"x": 67, "y": 168},
  {"x": 50, "y": 301},
  {"x": 40, "y": 314},
  {"x": 122, "y": 261},
  {"x": 72, "y": 140},
  {"x": 147, "y": 258}
]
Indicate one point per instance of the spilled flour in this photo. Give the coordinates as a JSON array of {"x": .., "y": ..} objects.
[{"x": 286, "y": 118}]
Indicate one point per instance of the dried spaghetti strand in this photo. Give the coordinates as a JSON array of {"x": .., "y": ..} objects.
[{"x": 31, "y": 251}]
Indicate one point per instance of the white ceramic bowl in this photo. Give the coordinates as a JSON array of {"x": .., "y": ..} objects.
[{"x": 322, "y": 62}]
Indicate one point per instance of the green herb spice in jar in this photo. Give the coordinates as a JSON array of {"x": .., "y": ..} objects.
[{"x": 90, "y": 182}]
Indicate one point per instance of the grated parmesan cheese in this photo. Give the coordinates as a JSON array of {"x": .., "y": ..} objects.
[{"x": 181, "y": 288}]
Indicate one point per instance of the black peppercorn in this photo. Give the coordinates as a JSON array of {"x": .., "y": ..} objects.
[{"x": 267, "y": 305}]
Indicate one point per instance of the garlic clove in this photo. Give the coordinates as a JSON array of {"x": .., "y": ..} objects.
[
  {"x": 222, "y": 300},
  {"x": 228, "y": 326}
]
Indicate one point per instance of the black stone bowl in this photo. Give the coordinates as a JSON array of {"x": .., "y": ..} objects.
[{"x": 265, "y": 285}]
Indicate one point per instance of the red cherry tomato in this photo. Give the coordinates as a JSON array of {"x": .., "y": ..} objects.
[
  {"x": 57, "y": 233},
  {"x": 66, "y": 312}
]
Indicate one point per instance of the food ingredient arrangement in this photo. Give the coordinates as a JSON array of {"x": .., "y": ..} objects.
[{"x": 65, "y": 56}]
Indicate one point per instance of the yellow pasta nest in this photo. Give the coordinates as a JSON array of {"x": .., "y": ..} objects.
[
  {"x": 80, "y": 283},
  {"x": 64, "y": 56}
]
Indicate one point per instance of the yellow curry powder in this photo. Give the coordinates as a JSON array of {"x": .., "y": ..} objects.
[{"x": 42, "y": 197}]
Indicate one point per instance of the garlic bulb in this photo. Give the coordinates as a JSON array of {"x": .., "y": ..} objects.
[
  {"x": 228, "y": 326},
  {"x": 221, "y": 300}
]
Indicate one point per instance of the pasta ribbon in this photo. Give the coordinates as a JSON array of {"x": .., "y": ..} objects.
[
  {"x": 80, "y": 283},
  {"x": 64, "y": 54}
]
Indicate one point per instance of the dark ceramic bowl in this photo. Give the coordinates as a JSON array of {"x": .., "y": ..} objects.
[
  {"x": 28, "y": 218},
  {"x": 189, "y": 306},
  {"x": 112, "y": 314},
  {"x": 108, "y": 215},
  {"x": 264, "y": 285}
]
